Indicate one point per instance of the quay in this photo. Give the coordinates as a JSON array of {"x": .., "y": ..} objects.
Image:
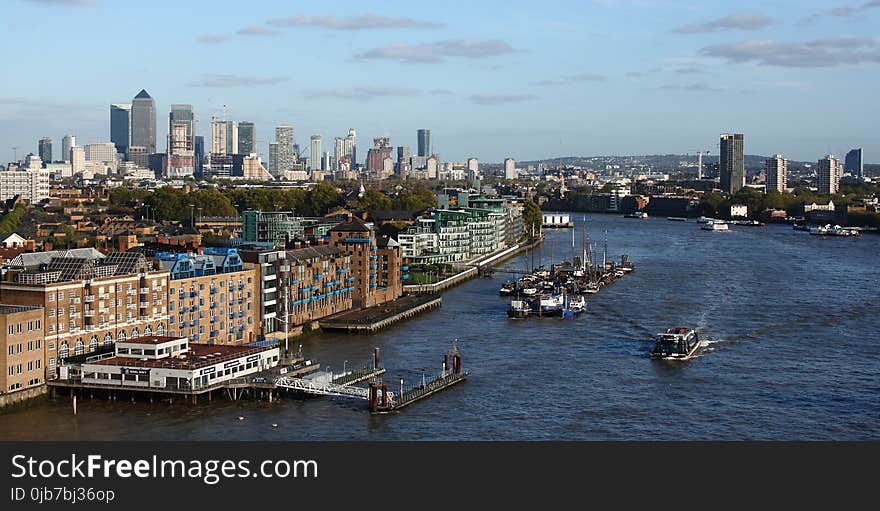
[
  {"x": 384, "y": 402},
  {"x": 373, "y": 319}
]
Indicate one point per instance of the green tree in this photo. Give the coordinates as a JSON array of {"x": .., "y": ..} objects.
[
  {"x": 532, "y": 217},
  {"x": 417, "y": 198},
  {"x": 374, "y": 200}
]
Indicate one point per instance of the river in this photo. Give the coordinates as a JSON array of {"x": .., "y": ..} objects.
[{"x": 791, "y": 319}]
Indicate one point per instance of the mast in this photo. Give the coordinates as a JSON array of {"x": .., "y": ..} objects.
[{"x": 605, "y": 253}]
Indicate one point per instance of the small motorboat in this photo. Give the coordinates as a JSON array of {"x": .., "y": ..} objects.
[
  {"x": 676, "y": 344},
  {"x": 519, "y": 309},
  {"x": 715, "y": 226},
  {"x": 507, "y": 289},
  {"x": 575, "y": 306}
]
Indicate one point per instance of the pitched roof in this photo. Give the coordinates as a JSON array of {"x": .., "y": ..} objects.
[
  {"x": 143, "y": 95},
  {"x": 302, "y": 254},
  {"x": 353, "y": 225}
]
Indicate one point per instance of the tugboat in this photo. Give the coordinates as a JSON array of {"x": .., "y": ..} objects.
[
  {"x": 676, "y": 344},
  {"x": 519, "y": 309},
  {"x": 575, "y": 306}
]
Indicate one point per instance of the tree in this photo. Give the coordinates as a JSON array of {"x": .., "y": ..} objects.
[
  {"x": 374, "y": 200},
  {"x": 532, "y": 217},
  {"x": 418, "y": 198}
]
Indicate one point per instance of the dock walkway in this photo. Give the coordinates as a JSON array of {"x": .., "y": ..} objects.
[{"x": 373, "y": 319}]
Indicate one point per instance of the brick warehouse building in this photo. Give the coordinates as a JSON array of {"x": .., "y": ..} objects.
[
  {"x": 22, "y": 358},
  {"x": 375, "y": 268},
  {"x": 88, "y": 299}
]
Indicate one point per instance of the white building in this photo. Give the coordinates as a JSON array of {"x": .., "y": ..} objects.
[
  {"x": 172, "y": 363},
  {"x": 776, "y": 169},
  {"x": 617, "y": 194},
  {"x": 77, "y": 159},
  {"x": 510, "y": 168},
  {"x": 103, "y": 153},
  {"x": 739, "y": 211},
  {"x": 31, "y": 185},
  {"x": 315, "y": 152},
  {"x": 66, "y": 143}
]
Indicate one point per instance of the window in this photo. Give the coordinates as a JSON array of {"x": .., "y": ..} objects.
[
  {"x": 39, "y": 324},
  {"x": 64, "y": 351},
  {"x": 51, "y": 345},
  {"x": 108, "y": 339},
  {"x": 79, "y": 348},
  {"x": 148, "y": 331},
  {"x": 11, "y": 349},
  {"x": 11, "y": 329},
  {"x": 71, "y": 295},
  {"x": 39, "y": 363},
  {"x": 60, "y": 312},
  {"x": 11, "y": 370},
  {"x": 135, "y": 333},
  {"x": 51, "y": 297},
  {"x": 93, "y": 344},
  {"x": 39, "y": 344}
]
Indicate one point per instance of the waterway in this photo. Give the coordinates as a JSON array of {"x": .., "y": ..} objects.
[{"x": 792, "y": 322}]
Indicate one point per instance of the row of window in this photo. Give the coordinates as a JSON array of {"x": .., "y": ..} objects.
[
  {"x": 73, "y": 294},
  {"x": 19, "y": 327},
  {"x": 80, "y": 347},
  {"x": 33, "y": 365},
  {"x": 250, "y": 280},
  {"x": 31, "y": 346}
]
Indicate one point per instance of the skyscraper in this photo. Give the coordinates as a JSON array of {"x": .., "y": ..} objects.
[
  {"x": 143, "y": 121},
  {"x": 424, "y": 137},
  {"x": 273, "y": 159},
  {"x": 509, "y": 168},
  {"x": 284, "y": 156},
  {"x": 855, "y": 163},
  {"x": 181, "y": 142},
  {"x": 219, "y": 137},
  {"x": 199, "y": 153},
  {"x": 246, "y": 138},
  {"x": 120, "y": 127},
  {"x": 45, "y": 149},
  {"x": 338, "y": 151},
  {"x": 732, "y": 166},
  {"x": 777, "y": 173},
  {"x": 351, "y": 146},
  {"x": 403, "y": 154},
  {"x": 231, "y": 137},
  {"x": 66, "y": 143},
  {"x": 376, "y": 156},
  {"x": 829, "y": 175},
  {"x": 315, "y": 153}
]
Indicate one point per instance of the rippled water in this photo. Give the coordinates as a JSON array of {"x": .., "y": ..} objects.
[{"x": 792, "y": 321}]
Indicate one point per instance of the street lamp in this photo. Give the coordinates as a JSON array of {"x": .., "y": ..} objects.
[{"x": 191, "y": 208}]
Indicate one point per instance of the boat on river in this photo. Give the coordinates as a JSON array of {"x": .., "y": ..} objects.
[
  {"x": 716, "y": 226},
  {"x": 676, "y": 344}
]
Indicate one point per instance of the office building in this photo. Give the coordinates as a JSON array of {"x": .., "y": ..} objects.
[
  {"x": 424, "y": 141},
  {"x": 31, "y": 184},
  {"x": 199, "y": 153},
  {"x": 101, "y": 152},
  {"x": 272, "y": 167},
  {"x": 510, "y": 169},
  {"x": 45, "y": 149},
  {"x": 210, "y": 296},
  {"x": 855, "y": 163},
  {"x": 66, "y": 143},
  {"x": 22, "y": 348},
  {"x": 776, "y": 169},
  {"x": 315, "y": 152},
  {"x": 120, "y": 127},
  {"x": 828, "y": 174},
  {"x": 143, "y": 121},
  {"x": 180, "y": 160},
  {"x": 247, "y": 138},
  {"x": 732, "y": 163},
  {"x": 140, "y": 157},
  {"x": 219, "y": 137},
  {"x": 338, "y": 152},
  {"x": 90, "y": 300},
  {"x": 284, "y": 152},
  {"x": 350, "y": 147},
  {"x": 376, "y": 156},
  {"x": 276, "y": 227},
  {"x": 78, "y": 159}
]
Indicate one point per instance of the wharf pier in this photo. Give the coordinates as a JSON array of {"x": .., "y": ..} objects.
[
  {"x": 384, "y": 402},
  {"x": 373, "y": 319}
]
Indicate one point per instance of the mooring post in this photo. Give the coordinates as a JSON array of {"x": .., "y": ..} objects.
[
  {"x": 376, "y": 358},
  {"x": 374, "y": 401}
]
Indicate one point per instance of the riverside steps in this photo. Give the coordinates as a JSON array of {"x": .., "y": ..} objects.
[{"x": 373, "y": 319}]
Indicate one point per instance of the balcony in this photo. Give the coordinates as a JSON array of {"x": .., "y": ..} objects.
[
  {"x": 90, "y": 313},
  {"x": 130, "y": 306},
  {"x": 144, "y": 305},
  {"x": 104, "y": 296},
  {"x": 90, "y": 298},
  {"x": 76, "y": 300},
  {"x": 130, "y": 292},
  {"x": 145, "y": 290}
]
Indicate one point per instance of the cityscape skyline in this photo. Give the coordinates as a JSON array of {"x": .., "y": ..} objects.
[{"x": 685, "y": 62}]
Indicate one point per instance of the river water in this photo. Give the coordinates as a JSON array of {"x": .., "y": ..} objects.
[{"x": 792, "y": 322}]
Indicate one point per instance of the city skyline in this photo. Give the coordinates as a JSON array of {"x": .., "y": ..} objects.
[{"x": 689, "y": 73}]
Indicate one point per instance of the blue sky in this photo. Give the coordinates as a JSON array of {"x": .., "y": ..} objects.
[{"x": 491, "y": 79}]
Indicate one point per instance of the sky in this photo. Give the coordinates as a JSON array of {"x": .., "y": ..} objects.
[{"x": 491, "y": 79}]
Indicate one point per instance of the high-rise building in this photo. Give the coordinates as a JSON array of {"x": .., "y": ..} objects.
[
  {"x": 101, "y": 152},
  {"x": 78, "y": 159},
  {"x": 247, "y": 138},
  {"x": 143, "y": 121},
  {"x": 181, "y": 142},
  {"x": 732, "y": 166},
  {"x": 139, "y": 156},
  {"x": 199, "y": 153},
  {"x": 120, "y": 127},
  {"x": 376, "y": 156},
  {"x": 350, "y": 146},
  {"x": 424, "y": 137},
  {"x": 855, "y": 163},
  {"x": 510, "y": 168},
  {"x": 338, "y": 151},
  {"x": 231, "y": 137},
  {"x": 829, "y": 173},
  {"x": 776, "y": 169},
  {"x": 284, "y": 155},
  {"x": 31, "y": 185},
  {"x": 66, "y": 143},
  {"x": 403, "y": 154},
  {"x": 315, "y": 153},
  {"x": 45, "y": 149},
  {"x": 473, "y": 165},
  {"x": 273, "y": 159},
  {"x": 219, "y": 137}
]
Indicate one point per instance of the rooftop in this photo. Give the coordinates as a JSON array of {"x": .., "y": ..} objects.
[
  {"x": 12, "y": 309},
  {"x": 199, "y": 355},
  {"x": 151, "y": 339}
]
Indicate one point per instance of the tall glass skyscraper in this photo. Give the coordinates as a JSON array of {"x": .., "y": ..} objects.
[
  {"x": 246, "y": 138},
  {"x": 120, "y": 127},
  {"x": 315, "y": 153},
  {"x": 143, "y": 121},
  {"x": 45, "y": 149},
  {"x": 66, "y": 143},
  {"x": 855, "y": 163},
  {"x": 732, "y": 167},
  {"x": 424, "y": 137}
]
